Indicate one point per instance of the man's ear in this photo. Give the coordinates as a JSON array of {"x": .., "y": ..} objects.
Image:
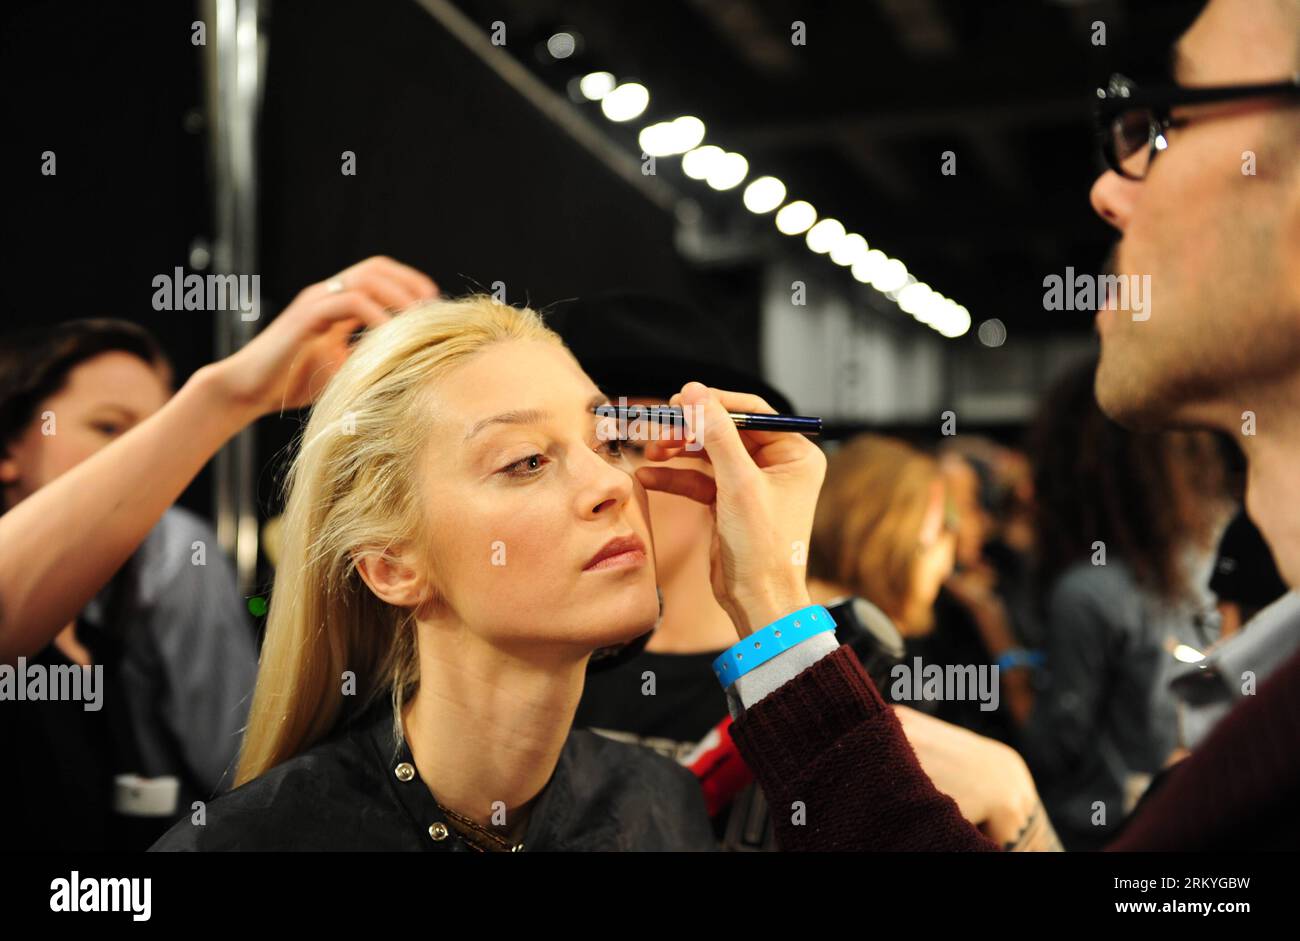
[{"x": 393, "y": 575}]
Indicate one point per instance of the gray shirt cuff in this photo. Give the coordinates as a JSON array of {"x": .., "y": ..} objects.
[{"x": 778, "y": 671}]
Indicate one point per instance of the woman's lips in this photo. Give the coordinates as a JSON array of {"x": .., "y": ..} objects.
[
  {"x": 631, "y": 557},
  {"x": 619, "y": 552}
]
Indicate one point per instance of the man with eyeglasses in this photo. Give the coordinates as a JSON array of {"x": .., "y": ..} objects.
[{"x": 1204, "y": 186}]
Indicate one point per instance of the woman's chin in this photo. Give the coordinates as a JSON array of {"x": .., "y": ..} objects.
[{"x": 625, "y": 618}]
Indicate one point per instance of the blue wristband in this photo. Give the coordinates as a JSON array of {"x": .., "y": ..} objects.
[
  {"x": 776, "y": 638},
  {"x": 1020, "y": 657}
]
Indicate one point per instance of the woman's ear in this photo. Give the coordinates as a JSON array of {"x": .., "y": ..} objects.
[{"x": 393, "y": 576}]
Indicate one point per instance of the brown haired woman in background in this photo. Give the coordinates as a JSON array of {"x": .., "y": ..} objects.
[{"x": 882, "y": 531}]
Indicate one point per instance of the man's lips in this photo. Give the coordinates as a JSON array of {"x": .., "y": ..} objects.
[{"x": 618, "y": 552}]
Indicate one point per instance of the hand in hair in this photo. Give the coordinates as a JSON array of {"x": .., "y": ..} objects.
[
  {"x": 290, "y": 361},
  {"x": 762, "y": 494}
]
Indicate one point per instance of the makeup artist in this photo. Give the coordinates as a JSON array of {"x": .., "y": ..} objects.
[{"x": 97, "y": 571}]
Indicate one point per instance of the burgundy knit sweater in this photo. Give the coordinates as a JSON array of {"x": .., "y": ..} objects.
[{"x": 839, "y": 773}]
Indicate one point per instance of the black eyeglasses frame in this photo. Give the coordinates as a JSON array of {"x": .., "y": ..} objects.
[{"x": 1122, "y": 95}]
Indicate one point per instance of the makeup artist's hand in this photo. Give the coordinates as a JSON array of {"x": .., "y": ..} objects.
[
  {"x": 762, "y": 493},
  {"x": 989, "y": 781},
  {"x": 287, "y": 364}
]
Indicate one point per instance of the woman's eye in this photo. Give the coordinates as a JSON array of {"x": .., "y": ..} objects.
[
  {"x": 524, "y": 467},
  {"x": 622, "y": 447},
  {"x": 107, "y": 428}
]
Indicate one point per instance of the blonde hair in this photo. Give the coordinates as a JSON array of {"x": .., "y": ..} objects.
[
  {"x": 867, "y": 527},
  {"x": 352, "y": 487}
]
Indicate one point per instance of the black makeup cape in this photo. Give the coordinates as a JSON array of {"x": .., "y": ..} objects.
[{"x": 359, "y": 791}]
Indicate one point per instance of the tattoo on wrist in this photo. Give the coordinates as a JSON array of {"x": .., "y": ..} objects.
[{"x": 1036, "y": 836}]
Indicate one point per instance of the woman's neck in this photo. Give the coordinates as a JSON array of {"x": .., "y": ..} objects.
[
  {"x": 486, "y": 727},
  {"x": 693, "y": 621}
]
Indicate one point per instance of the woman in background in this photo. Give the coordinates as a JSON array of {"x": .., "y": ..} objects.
[
  {"x": 96, "y": 451},
  {"x": 1126, "y": 523},
  {"x": 883, "y": 531},
  {"x": 168, "y": 635}
]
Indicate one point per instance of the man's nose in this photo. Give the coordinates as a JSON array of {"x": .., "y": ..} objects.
[{"x": 1113, "y": 198}]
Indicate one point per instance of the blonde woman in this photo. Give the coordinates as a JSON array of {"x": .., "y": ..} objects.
[{"x": 460, "y": 536}]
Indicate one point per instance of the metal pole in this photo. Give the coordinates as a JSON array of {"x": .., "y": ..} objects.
[{"x": 234, "y": 84}]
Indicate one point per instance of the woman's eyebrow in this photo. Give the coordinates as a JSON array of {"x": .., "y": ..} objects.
[{"x": 527, "y": 416}]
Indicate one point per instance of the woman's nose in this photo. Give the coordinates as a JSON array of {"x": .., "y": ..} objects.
[{"x": 606, "y": 485}]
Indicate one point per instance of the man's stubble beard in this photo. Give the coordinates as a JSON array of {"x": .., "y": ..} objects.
[
  {"x": 1131, "y": 377},
  {"x": 1212, "y": 337}
]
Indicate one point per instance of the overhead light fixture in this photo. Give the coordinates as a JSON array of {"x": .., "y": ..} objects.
[
  {"x": 699, "y": 163},
  {"x": 596, "y": 85},
  {"x": 625, "y": 102},
  {"x": 561, "y": 45},
  {"x": 935, "y": 310},
  {"x": 672, "y": 137},
  {"x": 724, "y": 170},
  {"x": 915, "y": 298},
  {"x": 952, "y": 320},
  {"x": 728, "y": 172},
  {"x": 961, "y": 322},
  {"x": 796, "y": 217},
  {"x": 825, "y": 235},
  {"x": 764, "y": 194},
  {"x": 993, "y": 333},
  {"x": 866, "y": 267},
  {"x": 687, "y": 133},
  {"x": 891, "y": 276},
  {"x": 850, "y": 250}
]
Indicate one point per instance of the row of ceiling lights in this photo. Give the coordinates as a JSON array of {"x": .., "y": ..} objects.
[{"x": 725, "y": 170}]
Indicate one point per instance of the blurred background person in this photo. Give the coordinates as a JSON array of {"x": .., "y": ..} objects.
[
  {"x": 993, "y": 491},
  {"x": 975, "y": 621},
  {"x": 170, "y": 630},
  {"x": 906, "y": 531},
  {"x": 885, "y": 529},
  {"x": 1259, "y": 629},
  {"x": 1245, "y": 579},
  {"x": 98, "y": 570},
  {"x": 1126, "y": 522}
]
